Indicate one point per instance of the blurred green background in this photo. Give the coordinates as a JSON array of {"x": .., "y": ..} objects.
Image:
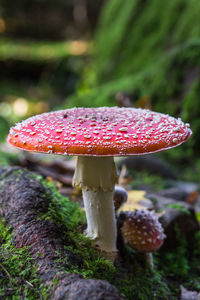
[{"x": 95, "y": 53}]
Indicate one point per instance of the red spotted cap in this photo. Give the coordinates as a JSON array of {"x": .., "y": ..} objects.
[
  {"x": 104, "y": 131},
  {"x": 142, "y": 231}
]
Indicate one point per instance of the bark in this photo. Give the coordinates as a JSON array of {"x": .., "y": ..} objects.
[{"x": 22, "y": 200}]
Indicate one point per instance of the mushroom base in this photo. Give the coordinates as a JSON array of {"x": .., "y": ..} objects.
[
  {"x": 149, "y": 261},
  {"x": 101, "y": 223}
]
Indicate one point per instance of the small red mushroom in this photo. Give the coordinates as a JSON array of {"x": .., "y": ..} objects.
[
  {"x": 95, "y": 135},
  {"x": 142, "y": 232}
]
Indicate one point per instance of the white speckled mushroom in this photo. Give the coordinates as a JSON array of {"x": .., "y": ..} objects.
[
  {"x": 142, "y": 231},
  {"x": 96, "y": 135}
]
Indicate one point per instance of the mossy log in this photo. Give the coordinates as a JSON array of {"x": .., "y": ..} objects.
[{"x": 23, "y": 199}]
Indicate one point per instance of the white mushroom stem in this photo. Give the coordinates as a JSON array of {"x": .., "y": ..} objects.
[
  {"x": 101, "y": 225},
  {"x": 97, "y": 177},
  {"x": 149, "y": 261}
]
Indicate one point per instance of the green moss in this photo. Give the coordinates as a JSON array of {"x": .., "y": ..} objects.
[
  {"x": 143, "y": 284},
  {"x": 193, "y": 281},
  {"x": 60, "y": 209},
  {"x": 17, "y": 270},
  {"x": 181, "y": 264},
  {"x": 131, "y": 278},
  {"x": 176, "y": 262},
  {"x": 135, "y": 282},
  {"x": 67, "y": 213},
  {"x": 93, "y": 264}
]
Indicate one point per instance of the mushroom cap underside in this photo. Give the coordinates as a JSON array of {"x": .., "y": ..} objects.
[{"x": 105, "y": 131}]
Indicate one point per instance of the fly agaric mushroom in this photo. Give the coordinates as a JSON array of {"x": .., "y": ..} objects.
[
  {"x": 95, "y": 135},
  {"x": 143, "y": 232}
]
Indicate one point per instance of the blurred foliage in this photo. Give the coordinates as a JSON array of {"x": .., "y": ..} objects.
[
  {"x": 41, "y": 50},
  {"x": 146, "y": 50},
  {"x": 151, "y": 50},
  {"x": 137, "y": 33},
  {"x": 33, "y": 50},
  {"x": 8, "y": 158},
  {"x": 36, "y": 76},
  {"x": 145, "y": 178},
  {"x": 49, "y": 19},
  {"x": 4, "y": 127}
]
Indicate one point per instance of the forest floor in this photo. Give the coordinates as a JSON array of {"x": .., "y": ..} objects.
[{"x": 45, "y": 255}]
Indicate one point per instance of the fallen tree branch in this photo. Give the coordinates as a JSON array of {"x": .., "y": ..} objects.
[{"x": 22, "y": 200}]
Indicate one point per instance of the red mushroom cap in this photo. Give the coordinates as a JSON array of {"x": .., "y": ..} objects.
[
  {"x": 142, "y": 231},
  {"x": 102, "y": 131}
]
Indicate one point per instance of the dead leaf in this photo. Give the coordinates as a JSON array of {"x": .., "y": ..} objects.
[
  {"x": 192, "y": 197},
  {"x": 136, "y": 200}
]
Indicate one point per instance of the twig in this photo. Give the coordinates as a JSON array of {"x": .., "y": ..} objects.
[
  {"x": 6, "y": 272},
  {"x": 30, "y": 284}
]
